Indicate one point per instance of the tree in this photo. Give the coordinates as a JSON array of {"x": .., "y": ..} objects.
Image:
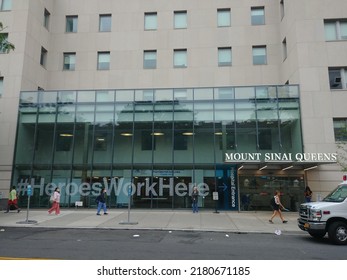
[{"x": 5, "y": 46}]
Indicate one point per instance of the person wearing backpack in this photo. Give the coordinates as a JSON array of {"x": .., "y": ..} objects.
[{"x": 276, "y": 206}]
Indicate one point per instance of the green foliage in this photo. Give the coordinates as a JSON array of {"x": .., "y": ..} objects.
[
  {"x": 342, "y": 155},
  {"x": 5, "y": 46}
]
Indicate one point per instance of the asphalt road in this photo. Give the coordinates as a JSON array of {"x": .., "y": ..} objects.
[{"x": 102, "y": 244}]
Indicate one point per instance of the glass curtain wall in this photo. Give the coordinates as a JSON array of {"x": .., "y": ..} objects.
[{"x": 155, "y": 143}]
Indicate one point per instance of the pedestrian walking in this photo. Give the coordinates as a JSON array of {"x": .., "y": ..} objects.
[
  {"x": 276, "y": 206},
  {"x": 195, "y": 199},
  {"x": 308, "y": 194},
  {"x": 101, "y": 201},
  {"x": 55, "y": 202},
  {"x": 12, "y": 203}
]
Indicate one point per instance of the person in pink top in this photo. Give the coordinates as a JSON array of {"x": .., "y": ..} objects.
[{"x": 56, "y": 202}]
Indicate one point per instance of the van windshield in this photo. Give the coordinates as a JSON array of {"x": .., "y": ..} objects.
[{"x": 337, "y": 195}]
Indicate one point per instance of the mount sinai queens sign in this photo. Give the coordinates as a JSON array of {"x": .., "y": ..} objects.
[{"x": 280, "y": 157}]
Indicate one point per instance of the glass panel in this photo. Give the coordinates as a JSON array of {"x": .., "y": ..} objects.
[
  {"x": 103, "y": 61},
  {"x": 259, "y": 55},
  {"x": 343, "y": 30},
  {"x": 180, "y": 58},
  {"x": 163, "y": 134},
  {"x": 86, "y": 96},
  {"x": 203, "y": 132},
  {"x": 105, "y": 23},
  {"x": 256, "y": 191},
  {"x": 45, "y": 134},
  {"x": 267, "y": 116},
  {"x": 71, "y": 24},
  {"x": 66, "y": 96},
  {"x": 183, "y": 127},
  {"x": 83, "y": 144},
  {"x": 224, "y": 56},
  {"x": 6, "y": 5},
  {"x": 123, "y": 134},
  {"x": 69, "y": 61},
  {"x": 150, "y": 21},
  {"x": 223, "y": 17},
  {"x": 183, "y": 94},
  {"x": 258, "y": 16},
  {"x": 224, "y": 116},
  {"x": 180, "y": 19},
  {"x": 28, "y": 97},
  {"x": 150, "y": 59},
  {"x": 103, "y": 144},
  {"x": 335, "y": 79},
  {"x": 124, "y": 95},
  {"x": 64, "y": 140},
  {"x": 25, "y": 145},
  {"x": 330, "y": 31},
  {"x": 105, "y": 96},
  {"x": 245, "y": 126},
  {"x": 203, "y": 94},
  {"x": 290, "y": 125}
]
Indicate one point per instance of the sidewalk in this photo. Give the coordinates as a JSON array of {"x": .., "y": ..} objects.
[{"x": 205, "y": 220}]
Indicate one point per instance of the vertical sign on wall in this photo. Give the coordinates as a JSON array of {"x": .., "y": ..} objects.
[{"x": 233, "y": 190}]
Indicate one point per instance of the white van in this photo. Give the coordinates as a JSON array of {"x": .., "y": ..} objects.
[{"x": 327, "y": 216}]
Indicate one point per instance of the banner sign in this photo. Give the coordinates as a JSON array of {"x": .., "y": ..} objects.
[{"x": 281, "y": 157}]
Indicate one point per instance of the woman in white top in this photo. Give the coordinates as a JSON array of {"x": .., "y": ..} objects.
[{"x": 277, "y": 208}]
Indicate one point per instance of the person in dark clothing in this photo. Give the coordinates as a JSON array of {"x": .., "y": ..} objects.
[
  {"x": 308, "y": 194},
  {"x": 195, "y": 199},
  {"x": 101, "y": 201}
]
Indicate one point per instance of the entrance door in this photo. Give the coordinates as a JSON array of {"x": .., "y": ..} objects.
[{"x": 227, "y": 188}]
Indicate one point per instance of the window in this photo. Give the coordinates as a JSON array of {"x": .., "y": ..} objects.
[
  {"x": 338, "y": 78},
  {"x": 223, "y": 17},
  {"x": 257, "y": 15},
  {"x": 225, "y": 93},
  {"x": 340, "y": 129},
  {"x": 71, "y": 24},
  {"x": 3, "y": 38},
  {"x": 64, "y": 142},
  {"x": 230, "y": 141},
  {"x": 180, "y": 19},
  {"x": 149, "y": 59},
  {"x": 43, "y": 57},
  {"x": 148, "y": 95},
  {"x": 105, "y": 23},
  {"x": 69, "y": 61},
  {"x": 180, "y": 58},
  {"x": 180, "y": 94},
  {"x": 284, "y": 49},
  {"x": 259, "y": 55},
  {"x": 150, "y": 21},
  {"x": 147, "y": 141},
  {"x": 103, "y": 60},
  {"x": 46, "y": 17},
  {"x": 335, "y": 29},
  {"x": 5, "y": 5},
  {"x": 180, "y": 141},
  {"x": 100, "y": 142},
  {"x": 1, "y": 86},
  {"x": 224, "y": 56},
  {"x": 265, "y": 137}
]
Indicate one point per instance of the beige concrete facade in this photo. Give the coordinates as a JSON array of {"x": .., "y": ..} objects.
[{"x": 299, "y": 23}]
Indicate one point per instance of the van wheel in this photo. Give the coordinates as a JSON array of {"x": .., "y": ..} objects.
[
  {"x": 316, "y": 235},
  {"x": 338, "y": 233}
]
